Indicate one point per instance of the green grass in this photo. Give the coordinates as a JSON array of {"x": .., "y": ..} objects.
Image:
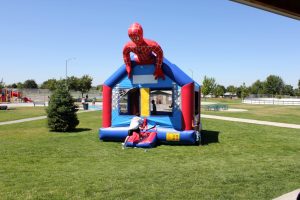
[
  {"x": 275, "y": 113},
  {"x": 248, "y": 162},
  {"x": 21, "y": 113}
]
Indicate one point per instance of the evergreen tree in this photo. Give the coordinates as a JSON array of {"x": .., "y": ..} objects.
[{"x": 61, "y": 112}]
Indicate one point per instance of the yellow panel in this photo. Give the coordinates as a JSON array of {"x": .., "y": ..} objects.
[
  {"x": 145, "y": 101},
  {"x": 172, "y": 136}
]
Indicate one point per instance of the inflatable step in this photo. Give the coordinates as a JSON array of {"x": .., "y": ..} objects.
[{"x": 147, "y": 141}]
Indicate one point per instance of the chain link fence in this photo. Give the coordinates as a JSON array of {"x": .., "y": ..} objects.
[{"x": 43, "y": 95}]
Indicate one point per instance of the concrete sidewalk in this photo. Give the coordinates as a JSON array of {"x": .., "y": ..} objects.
[
  {"x": 290, "y": 196},
  {"x": 232, "y": 119},
  {"x": 252, "y": 121},
  {"x": 33, "y": 119}
]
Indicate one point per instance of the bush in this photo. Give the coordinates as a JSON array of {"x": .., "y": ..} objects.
[{"x": 61, "y": 112}]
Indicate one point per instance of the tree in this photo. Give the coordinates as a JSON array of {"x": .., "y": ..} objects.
[
  {"x": 208, "y": 85},
  {"x": 257, "y": 87},
  {"x": 274, "y": 85},
  {"x": 73, "y": 83},
  {"x": 85, "y": 84},
  {"x": 243, "y": 91},
  {"x": 20, "y": 85},
  {"x": 297, "y": 92},
  {"x": 219, "y": 90},
  {"x": 288, "y": 90},
  {"x": 231, "y": 89},
  {"x": 50, "y": 84},
  {"x": 99, "y": 87},
  {"x": 61, "y": 112},
  {"x": 2, "y": 84},
  {"x": 31, "y": 84},
  {"x": 14, "y": 85}
]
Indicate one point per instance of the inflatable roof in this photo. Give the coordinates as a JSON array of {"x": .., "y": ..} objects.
[{"x": 169, "y": 69}]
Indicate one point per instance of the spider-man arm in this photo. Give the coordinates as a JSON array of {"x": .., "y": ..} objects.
[
  {"x": 126, "y": 57},
  {"x": 159, "y": 60}
]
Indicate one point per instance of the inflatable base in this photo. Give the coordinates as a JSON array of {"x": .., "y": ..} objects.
[{"x": 163, "y": 135}]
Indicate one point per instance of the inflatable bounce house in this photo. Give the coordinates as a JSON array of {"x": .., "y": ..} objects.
[{"x": 156, "y": 89}]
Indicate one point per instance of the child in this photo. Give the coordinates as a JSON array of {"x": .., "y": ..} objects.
[
  {"x": 196, "y": 122},
  {"x": 135, "y": 124}
]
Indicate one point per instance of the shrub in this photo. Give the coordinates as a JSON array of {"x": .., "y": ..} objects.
[{"x": 61, "y": 112}]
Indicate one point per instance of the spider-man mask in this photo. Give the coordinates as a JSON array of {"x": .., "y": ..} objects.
[{"x": 135, "y": 33}]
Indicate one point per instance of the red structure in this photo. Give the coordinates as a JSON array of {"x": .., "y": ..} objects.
[
  {"x": 188, "y": 104},
  {"x": 7, "y": 95},
  {"x": 146, "y": 51},
  {"x": 107, "y": 92}
]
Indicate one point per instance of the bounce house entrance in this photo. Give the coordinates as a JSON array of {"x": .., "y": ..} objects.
[{"x": 134, "y": 101}]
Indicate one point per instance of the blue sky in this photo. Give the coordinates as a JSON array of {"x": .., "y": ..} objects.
[{"x": 218, "y": 38}]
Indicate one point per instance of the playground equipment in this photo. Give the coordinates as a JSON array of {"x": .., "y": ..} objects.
[
  {"x": 12, "y": 95},
  {"x": 131, "y": 89}
]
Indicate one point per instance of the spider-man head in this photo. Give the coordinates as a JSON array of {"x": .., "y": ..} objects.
[{"x": 135, "y": 32}]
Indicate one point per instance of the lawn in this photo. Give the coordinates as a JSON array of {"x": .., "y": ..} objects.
[
  {"x": 21, "y": 113},
  {"x": 276, "y": 113},
  {"x": 238, "y": 161}
]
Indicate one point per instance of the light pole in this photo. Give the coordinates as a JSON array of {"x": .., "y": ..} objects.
[
  {"x": 69, "y": 59},
  {"x": 192, "y": 73}
]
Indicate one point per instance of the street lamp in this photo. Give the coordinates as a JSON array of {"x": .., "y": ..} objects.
[
  {"x": 69, "y": 59},
  {"x": 192, "y": 73}
]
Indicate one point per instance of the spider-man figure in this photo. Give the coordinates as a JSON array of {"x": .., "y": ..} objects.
[{"x": 146, "y": 51}]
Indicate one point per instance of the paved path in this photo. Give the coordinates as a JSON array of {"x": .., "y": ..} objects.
[
  {"x": 22, "y": 120},
  {"x": 289, "y": 196},
  {"x": 252, "y": 121},
  {"x": 32, "y": 119}
]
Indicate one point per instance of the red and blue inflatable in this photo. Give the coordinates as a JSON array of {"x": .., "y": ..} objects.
[{"x": 160, "y": 91}]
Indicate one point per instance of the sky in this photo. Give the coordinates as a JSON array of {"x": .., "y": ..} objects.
[{"x": 230, "y": 42}]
